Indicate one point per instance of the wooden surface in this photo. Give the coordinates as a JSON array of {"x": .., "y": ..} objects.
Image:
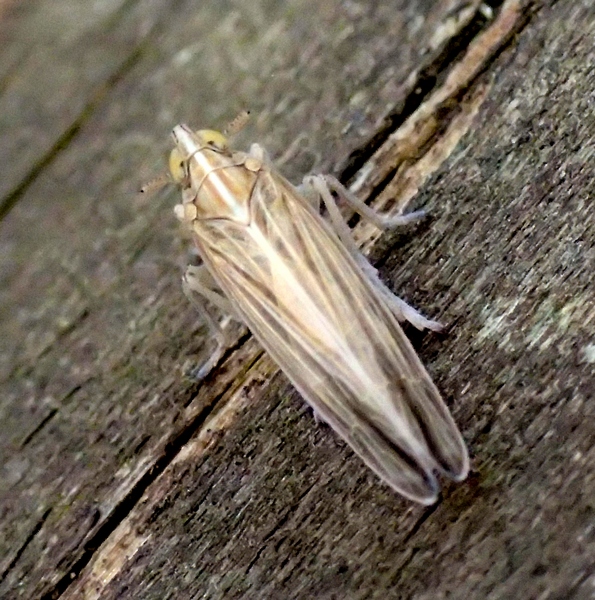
[{"x": 123, "y": 479}]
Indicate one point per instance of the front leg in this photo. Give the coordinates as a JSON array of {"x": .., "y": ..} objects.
[
  {"x": 198, "y": 281},
  {"x": 321, "y": 185},
  {"x": 381, "y": 221}
]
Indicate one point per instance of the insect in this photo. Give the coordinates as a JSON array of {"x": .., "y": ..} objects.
[{"x": 301, "y": 285}]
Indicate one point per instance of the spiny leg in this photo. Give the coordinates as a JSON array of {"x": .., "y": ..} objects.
[
  {"x": 381, "y": 221},
  {"x": 197, "y": 280},
  {"x": 322, "y": 186}
]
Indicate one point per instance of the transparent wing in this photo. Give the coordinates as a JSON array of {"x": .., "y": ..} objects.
[{"x": 313, "y": 309}]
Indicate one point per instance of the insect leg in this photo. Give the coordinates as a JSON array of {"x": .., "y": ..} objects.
[
  {"x": 361, "y": 208},
  {"x": 400, "y": 308},
  {"x": 404, "y": 311},
  {"x": 197, "y": 280}
]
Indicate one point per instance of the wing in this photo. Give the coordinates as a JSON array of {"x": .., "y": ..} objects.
[{"x": 313, "y": 309}]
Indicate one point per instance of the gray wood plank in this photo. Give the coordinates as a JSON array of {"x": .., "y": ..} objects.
[{"x": 120, "y": 477}]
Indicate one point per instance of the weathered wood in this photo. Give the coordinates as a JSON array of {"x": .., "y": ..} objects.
[{"x": 123, "y": 479}]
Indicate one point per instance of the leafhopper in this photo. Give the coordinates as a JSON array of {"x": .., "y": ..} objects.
[{"x": 318, "y": 307}]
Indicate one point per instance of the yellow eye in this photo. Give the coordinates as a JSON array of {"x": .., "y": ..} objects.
[
  {"x": 177, "y": 166},
  {"x": 213, "y": 138}
]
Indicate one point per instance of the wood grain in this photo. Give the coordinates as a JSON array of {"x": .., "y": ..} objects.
[{"x": 120, "y": 477}]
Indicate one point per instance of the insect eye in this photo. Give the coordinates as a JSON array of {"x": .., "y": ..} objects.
[
  {"x": 177, "y": 166},
  {"x": 214, "y": 139}
]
